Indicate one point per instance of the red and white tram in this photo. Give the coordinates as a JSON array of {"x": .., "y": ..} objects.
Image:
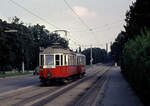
[{"x": 58, "y": 63}]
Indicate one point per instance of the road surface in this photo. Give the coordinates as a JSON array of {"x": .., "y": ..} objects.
[{"x": 86, "y": 91}]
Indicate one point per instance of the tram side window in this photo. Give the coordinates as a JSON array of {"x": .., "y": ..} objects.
[
  {"x": 78, "y": 60},
  {"x": 57, "y": 60},
  {"x": 74, "y": 59},
  {"x": 42, "y": 60},
  {"x": 65, "y": 60},
  {"x": 68, "y": 60},
  {"x": 72, "y": 62},
  {"x": 61, "y": 60},
  {"x": 83, "y": 61},
  {"x": 71, "y": 57}
]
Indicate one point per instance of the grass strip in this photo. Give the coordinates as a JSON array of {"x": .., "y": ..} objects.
[{"x": 14, "y": 74}]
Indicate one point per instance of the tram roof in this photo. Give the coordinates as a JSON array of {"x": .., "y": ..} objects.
[
  {"x": 51, "y": 50},
  {"x": 79, "y": 54}
]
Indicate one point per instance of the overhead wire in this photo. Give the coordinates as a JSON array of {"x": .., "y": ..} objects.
[
  {"x": 81, "y": 20},
  {"x": 32, "y": 13},
  {"x": 84, "y": 46},
  {"x": 99, "y": 28},
  {"x": 20, "y": 6}
]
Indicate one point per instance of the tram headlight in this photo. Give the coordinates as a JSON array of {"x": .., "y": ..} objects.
[{"x": 49, "y": 74}]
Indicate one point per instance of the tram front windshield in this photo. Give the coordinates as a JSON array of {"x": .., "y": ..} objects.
[{"x": 49, "y": 59}]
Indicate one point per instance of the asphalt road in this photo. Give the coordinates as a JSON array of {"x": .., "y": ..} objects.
[
  {"x": 27, "y": 90},
  {"x": 103, "y": 85},
  {"x": 14, "y": 83},
  {"x": 7, "y": 84}
]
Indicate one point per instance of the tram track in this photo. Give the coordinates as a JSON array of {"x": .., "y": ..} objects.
[
  {"x": 89, "y": 98},
  {"x": 37, "y": 95},
  {"x": 15, "y": 93},
  {"x": 54, "y": 95},
  {"x": 16, "y": 97},
  {"x": 32, "y": 98}
]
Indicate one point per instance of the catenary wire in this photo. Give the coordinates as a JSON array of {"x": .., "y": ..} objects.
[
  {"x": 81, "y": 20},
  {"x": 33, "y": 14}
]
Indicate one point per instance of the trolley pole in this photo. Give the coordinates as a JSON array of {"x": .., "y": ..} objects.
[{"x": 65, "y": 31}]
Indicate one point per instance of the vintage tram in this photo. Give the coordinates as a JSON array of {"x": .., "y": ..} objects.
[{"x": 60, "y": 64}]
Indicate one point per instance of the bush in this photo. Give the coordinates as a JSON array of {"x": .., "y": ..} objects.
[{"x": 136, "y": 64}]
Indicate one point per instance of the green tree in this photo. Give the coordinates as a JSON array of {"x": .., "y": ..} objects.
[
  {"x": 24, "y": 44},
  {"x": 136, "y": 62},
  {"x": 98, "y": 55},
  {"x": 137, "y": 21}
]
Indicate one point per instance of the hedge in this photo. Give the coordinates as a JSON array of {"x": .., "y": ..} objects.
[{"x": 136, "y": 65}]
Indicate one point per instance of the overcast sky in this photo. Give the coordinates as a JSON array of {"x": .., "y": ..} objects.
[{"x": 104, "y": 17}]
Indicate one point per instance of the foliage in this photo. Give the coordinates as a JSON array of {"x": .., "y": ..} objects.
[
  {"x": 24, "y": 44},
  {"x": 136, "y": 62},
  {"x": 131, "y": 48},
  {"x": 137, "y": 18},
  {"x": 137, "y": 21},
  {"x": 116, "y": 48},
  {"x": 98, "y": 55}
]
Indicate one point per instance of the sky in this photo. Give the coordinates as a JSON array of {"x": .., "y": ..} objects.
[{"x": 102, "y": 20}]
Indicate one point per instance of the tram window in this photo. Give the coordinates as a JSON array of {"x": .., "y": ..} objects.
[
  {"x": 65, "y": 60},
  {"x": 42, "y": 60},
  {"x": 68, "y": 60},
  {"x": 74, "y": 59},
  {"x": 71, "y": 60},
  {"x": 77, "y": 60},
  {"x": 82, "y": 60},
  {"x": 61, "y": 60},
  {"x": 57, "y": 60},
  {"x": 49, "y": 59}
]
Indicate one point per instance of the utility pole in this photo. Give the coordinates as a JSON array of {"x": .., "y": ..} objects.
[
  {"x": 22, "y": 60},
  {"x": 91, "y": 60},
  {"x": 107, "y": 47}
]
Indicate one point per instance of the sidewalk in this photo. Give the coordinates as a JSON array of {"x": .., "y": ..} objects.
[{"x": 118, "y": 91}]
